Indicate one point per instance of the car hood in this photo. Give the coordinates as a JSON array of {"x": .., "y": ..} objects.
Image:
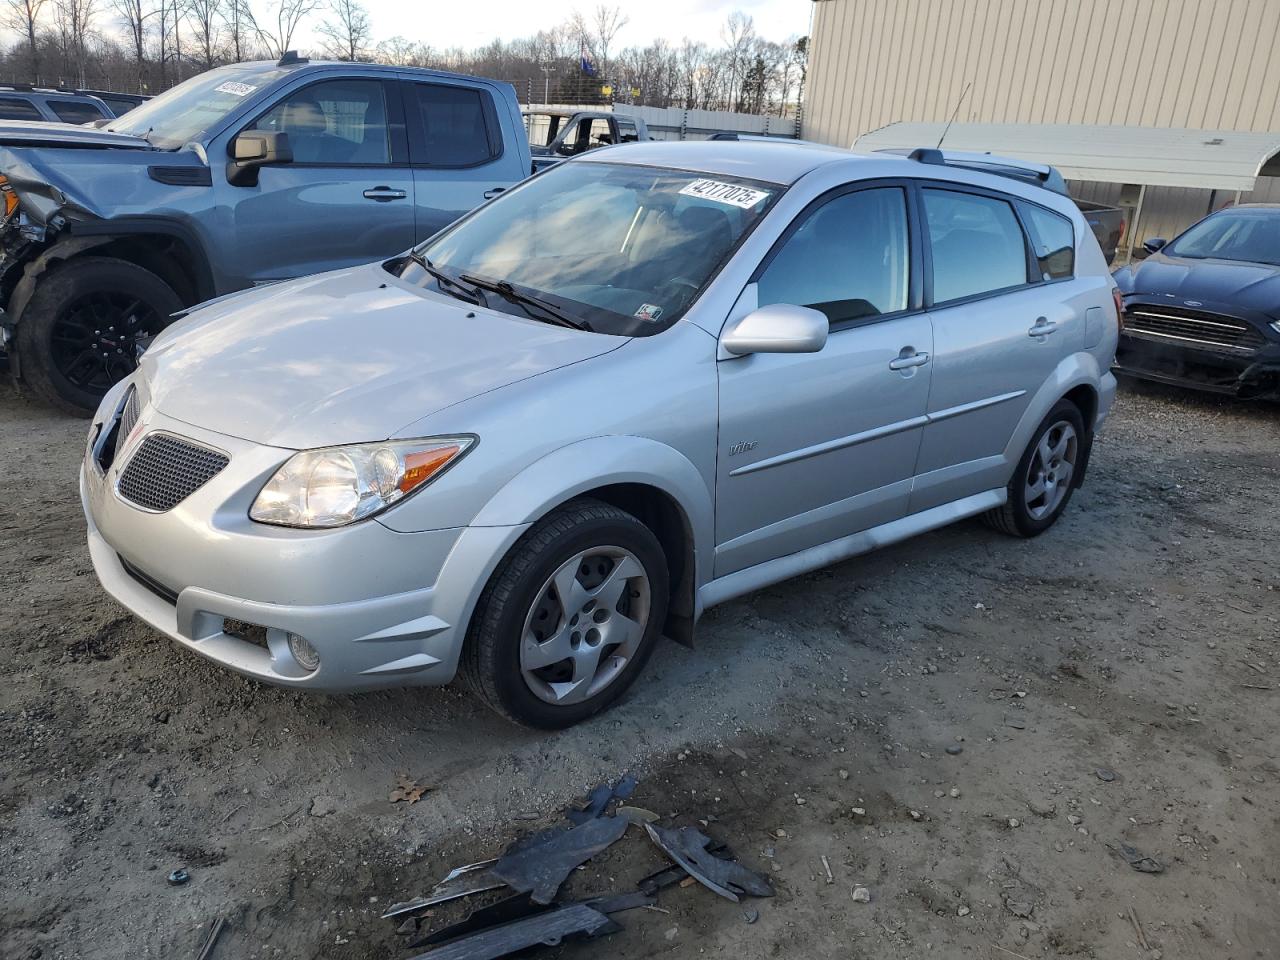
[
  {"x": 344, "y": 357},
  {"x": 33, "y": 133},
  {"x": 1246, "y": 286}
]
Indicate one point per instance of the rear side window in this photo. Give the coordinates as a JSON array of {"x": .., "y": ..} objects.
[
  {"x": 75, "y": 111},
  {"x": 1054, "y": 241},
  {"x": 847, "y": 258},
  {"x": 16, "y": 108},
  {"x": 458, "y": 124},
  {"x": 977, "y": 244},
  {"x": 627, "y": 132}
]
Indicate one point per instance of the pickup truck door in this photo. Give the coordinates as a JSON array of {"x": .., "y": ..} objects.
[
  {"x": 346, "y": 198},
  {"x": 457, "y": 148}
]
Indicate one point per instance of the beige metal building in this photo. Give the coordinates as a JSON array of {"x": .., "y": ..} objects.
[{"x": 1199, "y": 64}]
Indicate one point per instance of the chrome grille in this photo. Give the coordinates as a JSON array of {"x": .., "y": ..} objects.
[
  {"x": 128, "y": 419},
  {"x": 166, "y": 470},
  {"x": 1211, "y": 330}
]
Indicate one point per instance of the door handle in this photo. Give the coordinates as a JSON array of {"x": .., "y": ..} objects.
[
  {"x": 383, "y": 194},
  {"x": 493, "y": 192},
  {"x": 1044, "y": 326},
  {"x": 907, "y": 359}
]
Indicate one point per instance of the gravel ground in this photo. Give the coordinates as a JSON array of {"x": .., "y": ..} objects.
[{"x": 1112, "y": 682}]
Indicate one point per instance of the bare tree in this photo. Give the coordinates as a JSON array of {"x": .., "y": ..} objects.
[
  {"x": 71, "y": 19},
  {"x": 242, "y": 25},
  {"x": 289, "y": 14},
  {"x": 738, "y": 34},
  {"x": 346, "y": 36},
  {"x": 598, "y": 32},
  {"x": 23, "y": 16},
  {"x": 206, "y": 18},
  {"x": 134, "y": 19}
]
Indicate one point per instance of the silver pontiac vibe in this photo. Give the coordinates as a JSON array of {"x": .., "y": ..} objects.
[{"x": 649, "y": 380}]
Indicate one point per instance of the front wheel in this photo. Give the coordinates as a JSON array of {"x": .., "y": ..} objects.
[
  {"x": 569, "y": 618},
  {"x": 1045, "y": 477},
  {"x": 79, "y": 333}
]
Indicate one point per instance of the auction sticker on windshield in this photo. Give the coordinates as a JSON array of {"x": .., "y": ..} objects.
[
  {"x": 236, "y": 89},
  {"x": 720, "y": 192}
]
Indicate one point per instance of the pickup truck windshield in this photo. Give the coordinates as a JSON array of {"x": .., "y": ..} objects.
[
  {"x": 1247, "y": 235},
  {"x": 625, "y": 248},
  {"x": 184, "y": 113}
]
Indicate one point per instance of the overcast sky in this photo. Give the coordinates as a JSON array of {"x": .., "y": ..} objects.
[{"x": 471, "y": 24}]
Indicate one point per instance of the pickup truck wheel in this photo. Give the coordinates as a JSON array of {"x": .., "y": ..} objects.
[
  {"x": 1044, "y": 479},
  {"x": 569, "y": 618},
  {"x": 80, "y": 330}
]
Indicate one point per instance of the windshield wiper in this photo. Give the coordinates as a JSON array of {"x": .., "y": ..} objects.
[
  {"x": 550, "y": 312},
  {"x": 462, "y": 291}
]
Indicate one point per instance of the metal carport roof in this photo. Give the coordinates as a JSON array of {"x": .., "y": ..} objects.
[{"x": 1150, "y": 156}]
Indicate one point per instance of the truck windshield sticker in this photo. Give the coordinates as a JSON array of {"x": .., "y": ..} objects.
[
  {"x": 237, "y": 89},
  {"x": 730, "y": 193},
  {"x": 648, "y": 311}
]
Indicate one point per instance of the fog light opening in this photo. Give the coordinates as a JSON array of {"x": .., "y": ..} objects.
[{"x": 303, "y": 652}]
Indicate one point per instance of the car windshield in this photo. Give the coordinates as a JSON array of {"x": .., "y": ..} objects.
[
  {"x": 625, "y": 248},
  {"x": 178, "y": 116},
  {"x": 1252, "y": 236}
]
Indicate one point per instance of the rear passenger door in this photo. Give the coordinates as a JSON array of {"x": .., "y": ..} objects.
[
  {"x": 346, "y": 198},
  {"x": 455, "y": 148},
  {"x": 999, "y": 331}
]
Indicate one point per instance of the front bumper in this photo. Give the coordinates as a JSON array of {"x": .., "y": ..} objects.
[
  {"x": 1249, "y": 375},
  {"x": 381, "y": 608}
]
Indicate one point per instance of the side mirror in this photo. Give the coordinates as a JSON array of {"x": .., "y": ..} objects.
[
  {"x": 254, "y": 149},
  {"x": 778, "y": 328},
  {"x": 1154, "y": 245},
  {"x": 565, "y": 149}
]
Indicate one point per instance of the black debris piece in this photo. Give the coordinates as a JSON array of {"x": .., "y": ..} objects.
[
  {"x": 540, "y": 868},
  {"x": 601, "y": 797},
  {"x": 548, "y": 928},
  {"x": 617, "y": 902},
  {"x": 211, "y": 940},
  {"x": 688, "y": 847},
  {"x": 1140, "y": 861},
  {"x": 461, "y": 882},
  {"x": 508, "y": 910}
]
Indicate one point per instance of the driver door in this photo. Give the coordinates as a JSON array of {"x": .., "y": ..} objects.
[
  {"x": 814, "y": 447},
  {"x": 347, "y": 197}
]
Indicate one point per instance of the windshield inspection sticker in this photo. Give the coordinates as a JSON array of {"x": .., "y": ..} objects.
[
  {"x": 237, "y": 89},
  {"x": 730, "y": 193},
  {"x": 648, "y": 311}
]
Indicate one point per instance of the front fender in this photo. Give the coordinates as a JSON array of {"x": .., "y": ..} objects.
[{"x": 586, "y": 465}]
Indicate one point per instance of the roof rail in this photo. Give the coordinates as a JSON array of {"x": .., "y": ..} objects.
[
  {"x": 290, "y": 59},
  {"x": 1039, "y": 174}
]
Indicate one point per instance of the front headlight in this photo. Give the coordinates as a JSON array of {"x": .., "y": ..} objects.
[{"x": 335, "y": 486}]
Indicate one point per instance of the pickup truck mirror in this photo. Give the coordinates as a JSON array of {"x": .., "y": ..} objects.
[
  {"x": 778, "y": 328},
  {"x": 1154, "y": 245},
  {"x": 253, "y": 149},
  {"x": 566, "y": 149}
]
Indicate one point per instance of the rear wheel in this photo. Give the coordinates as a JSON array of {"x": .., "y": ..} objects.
[
  {"x": 1045, "y": 476},
  {"x": 569, "y": 618},
  {"x": 81, "y": 329}
]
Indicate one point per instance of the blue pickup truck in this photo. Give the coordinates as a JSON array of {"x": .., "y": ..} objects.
[{"x": 243, "y": 175}]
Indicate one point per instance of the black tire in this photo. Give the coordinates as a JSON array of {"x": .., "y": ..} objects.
[
  {"x": 62, "y": 360},
  {"x": 1015, "y": 517},
  {"x": 491, "y": 655}
]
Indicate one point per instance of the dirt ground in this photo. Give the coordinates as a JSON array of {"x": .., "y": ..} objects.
[{"x": 1137, "y": 639}]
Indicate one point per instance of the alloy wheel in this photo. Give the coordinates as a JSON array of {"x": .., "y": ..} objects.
[
  {"x": 585, "y": 626},
  {"x": 1052, "y": 466},
  {"x": 96, "y": 337}
]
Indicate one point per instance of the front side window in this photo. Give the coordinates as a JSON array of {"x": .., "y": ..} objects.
[
  {"x": 333, "y": 123},
  {"x": 848, "y": 258},
  {"x": 75, "y": 111},
  {"x": 454, "y": 124},
  {"x": 16, "y": 108},
  {"x": 977, "y": 244},
  {"x": 625, "y": 248},
  {"x": 1054, "y": 241},
  {"x": 1251, "y": 236}
]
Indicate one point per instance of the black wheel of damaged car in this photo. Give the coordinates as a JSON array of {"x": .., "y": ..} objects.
[
  {"x": 80, "y": 332},
  {"x": 569, "y": 618}
]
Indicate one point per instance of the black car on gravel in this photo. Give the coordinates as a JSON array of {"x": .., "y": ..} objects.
[{"x": 1203, "y": 310}]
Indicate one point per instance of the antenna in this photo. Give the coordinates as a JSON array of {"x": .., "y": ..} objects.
[{"x": 963, "y": 93}]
